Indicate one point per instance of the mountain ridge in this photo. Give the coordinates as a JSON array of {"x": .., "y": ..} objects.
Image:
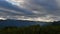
[{"x": 18, "y": 23}]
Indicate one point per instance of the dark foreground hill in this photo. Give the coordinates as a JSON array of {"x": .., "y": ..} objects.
[
  {"x": 53, "y": 28},
  {"x": 33, "y": 29},
  {"x": 30, "y": 27}
]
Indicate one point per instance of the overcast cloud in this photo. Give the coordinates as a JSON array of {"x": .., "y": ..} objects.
[{"x": 38, "y": 10}]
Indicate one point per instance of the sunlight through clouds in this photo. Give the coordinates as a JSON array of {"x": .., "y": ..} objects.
[
  {"x": 16, "y": 2},
  {"x": 35, "y": 10}
]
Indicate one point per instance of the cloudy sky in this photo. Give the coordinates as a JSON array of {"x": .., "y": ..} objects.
[{"x": 35, "y": 10}]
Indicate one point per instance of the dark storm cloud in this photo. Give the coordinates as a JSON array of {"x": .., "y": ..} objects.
[
  {"x": 45, "y": 9},
  {"x": 9, "y": 6},
  {"x": 49, "y": 6}
]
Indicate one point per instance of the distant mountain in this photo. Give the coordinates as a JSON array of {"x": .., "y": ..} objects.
[
  {"x": 18, "y": 23},
  {"x": 56, "y": 23}
]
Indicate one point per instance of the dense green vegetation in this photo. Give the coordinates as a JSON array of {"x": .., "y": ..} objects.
[
  {"x": 54, "y": 28},
  {"x": 50, "y": 30},
  {"x": 35, "y": 29}
]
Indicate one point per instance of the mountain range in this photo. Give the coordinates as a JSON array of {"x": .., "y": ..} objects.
[{"x": 18, "y": 23}]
